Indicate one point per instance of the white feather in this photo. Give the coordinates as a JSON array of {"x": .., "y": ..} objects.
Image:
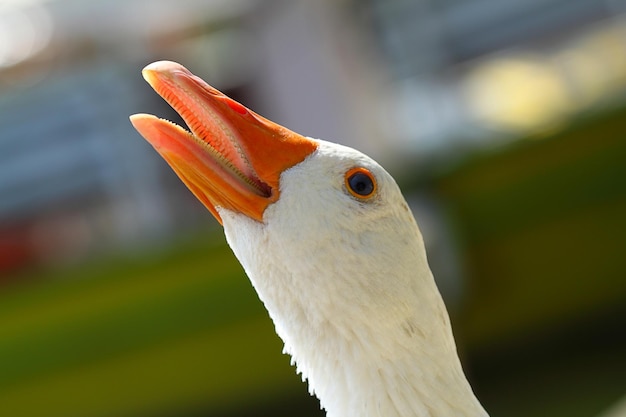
[{"x": 349, "y": 289}]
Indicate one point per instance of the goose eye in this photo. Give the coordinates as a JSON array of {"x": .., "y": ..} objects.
[{"x": 360, "y": 183}]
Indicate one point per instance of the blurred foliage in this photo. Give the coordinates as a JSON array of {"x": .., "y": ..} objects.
[
  {"x": 543, "y": 221},
  {"x": 178, "y": 330},
  {"x": 542, "y": 231}
]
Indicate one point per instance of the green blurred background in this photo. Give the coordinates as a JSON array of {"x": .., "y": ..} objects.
[{"x": 503, "y": 121}]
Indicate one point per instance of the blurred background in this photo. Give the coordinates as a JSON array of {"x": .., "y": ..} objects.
[{"x": 504, "y": 121}]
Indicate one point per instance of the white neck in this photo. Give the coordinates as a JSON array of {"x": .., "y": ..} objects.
[
  {"x": 389, "y": 360},
  {"x": 402, "y": 369}
]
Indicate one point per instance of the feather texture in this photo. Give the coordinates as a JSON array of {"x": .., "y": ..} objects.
[{"x": 349, "y": 289}]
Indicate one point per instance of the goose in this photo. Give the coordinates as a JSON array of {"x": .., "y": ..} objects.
[{"x": 330, "y": 246}]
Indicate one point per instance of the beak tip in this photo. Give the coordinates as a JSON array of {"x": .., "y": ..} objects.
[
  {"x": 160, "y": 67},
  {"x": 163, "y": 135},
  {"x": 144, "y": 124},
  {"x": 138, "y": 118}
]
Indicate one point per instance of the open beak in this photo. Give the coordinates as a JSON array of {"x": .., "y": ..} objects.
[{"x": 231, "y": 157}]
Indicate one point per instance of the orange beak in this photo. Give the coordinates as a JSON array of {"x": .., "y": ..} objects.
[{"x": 231, "y": 157}]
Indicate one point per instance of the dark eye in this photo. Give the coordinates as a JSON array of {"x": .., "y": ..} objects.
[{"x": 360, "y": 182}]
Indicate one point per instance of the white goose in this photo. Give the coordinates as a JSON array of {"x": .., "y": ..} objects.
[{"x": 330, "y": 246}]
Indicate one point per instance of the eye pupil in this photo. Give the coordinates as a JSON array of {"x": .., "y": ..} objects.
[{"x": 361, "y": 184}]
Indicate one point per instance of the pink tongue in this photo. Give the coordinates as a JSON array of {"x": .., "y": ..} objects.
[{"x": 223, "y": 140}]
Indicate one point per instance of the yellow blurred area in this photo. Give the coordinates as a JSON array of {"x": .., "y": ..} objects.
[
  {"x": 526, "y": 91},
  {"x": 537, "y": 95}
]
